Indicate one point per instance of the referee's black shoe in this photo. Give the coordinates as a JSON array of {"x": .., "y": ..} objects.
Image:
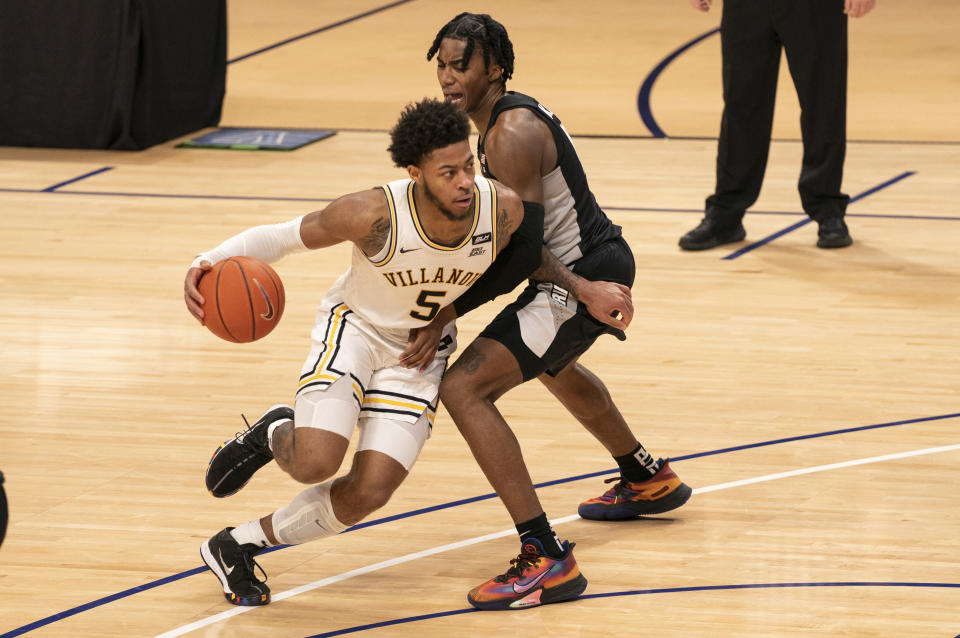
[
  {"x": 236, "y": 461},
  {"x": 833, "y": 233},
  {"x": 233, "y": 565},
  {"x": 711, "y": 233}
]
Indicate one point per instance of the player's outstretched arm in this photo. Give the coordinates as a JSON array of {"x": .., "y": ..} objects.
[
  {"x": 358, "y": 217},
  {"x": 269, "y": 243}
]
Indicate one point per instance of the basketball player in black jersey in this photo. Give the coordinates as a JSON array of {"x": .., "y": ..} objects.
[{"x": 544, "y": 332}]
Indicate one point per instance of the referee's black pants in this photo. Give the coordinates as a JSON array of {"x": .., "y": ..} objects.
[{"x": 814, "y": 35}]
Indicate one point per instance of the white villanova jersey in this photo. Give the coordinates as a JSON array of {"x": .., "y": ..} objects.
[{"x": 405, "y": 284}]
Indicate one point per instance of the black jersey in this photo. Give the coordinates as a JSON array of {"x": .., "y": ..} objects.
[{"x": 573, "y": 222}]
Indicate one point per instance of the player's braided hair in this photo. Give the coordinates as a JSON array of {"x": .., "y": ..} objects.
[
  {"x": 479, "y": 28},
  {"x": 424, "y": 127}
]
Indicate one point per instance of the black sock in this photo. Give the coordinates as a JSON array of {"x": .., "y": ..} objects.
[
  {"x": 540, "y": 529},
  {"x": 638, "y": 466}
]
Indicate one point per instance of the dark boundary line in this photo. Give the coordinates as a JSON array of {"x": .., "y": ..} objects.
[
  {"x": 198, "y": 570},
  {"x": 270, "y": 198},
  {"x": 798, "y": 140},
  {"x": 769, "y": 238},
  {"x": 640, "y": 592},
  {"x": 332, "y": 25},
  {"x": 611, "y": 136},
  {"x": 684, "y": 457},
  {"x": 73, "y": 611},
  {"x": 51, "y": 189},
  {"x": 257, "y": 198},
  {"x": 646, "y": 112},
  {"x": 643, "y": 96}
]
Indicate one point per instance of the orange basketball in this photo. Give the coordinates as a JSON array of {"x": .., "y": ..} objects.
[{"x": 243, "y": 299}]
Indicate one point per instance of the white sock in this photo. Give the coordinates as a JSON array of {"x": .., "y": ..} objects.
[
  {"x": 270, "y": 429},
  {"x": 250, "y": 532}
]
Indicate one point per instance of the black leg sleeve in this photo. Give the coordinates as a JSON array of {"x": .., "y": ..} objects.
[{"x": 517, "y": 261}]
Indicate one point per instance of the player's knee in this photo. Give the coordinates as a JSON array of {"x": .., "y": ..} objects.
[
  {"x": 311, "y": 471},
  {"x": 367, "y": 498},
  {"x": 580, "y": 391},
  {"x": 448, "y": 392},
  {"x": 456, "y": 391}
]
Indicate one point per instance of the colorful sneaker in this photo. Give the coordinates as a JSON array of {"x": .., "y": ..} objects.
[
  {"x": 236, "y": 461},
  {"x": 233, "y": 564},
  {"x": 662, "y": 492},
  {"x": 533, "y": 579}
]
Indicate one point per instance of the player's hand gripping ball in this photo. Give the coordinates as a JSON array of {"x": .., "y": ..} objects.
[{"x": 243, "y": 299}]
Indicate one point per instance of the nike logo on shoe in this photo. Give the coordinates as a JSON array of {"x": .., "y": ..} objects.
[
  {"x": 229, "y": 568},
  {"x": 522, "y": 588}
]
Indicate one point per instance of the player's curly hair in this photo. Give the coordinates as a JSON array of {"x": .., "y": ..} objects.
[
  {"x": 474, "y": 29},
  {"x": 424, "y": 127}
]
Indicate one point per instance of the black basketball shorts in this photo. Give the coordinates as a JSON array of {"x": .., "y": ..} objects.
[{"x": 546, "y": 328}]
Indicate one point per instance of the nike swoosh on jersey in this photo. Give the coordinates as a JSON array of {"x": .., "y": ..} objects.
[
  {"x": 530, "y": 584},
  {"x": 408, "y": 250},
  {"x": 266, "y": 297}
]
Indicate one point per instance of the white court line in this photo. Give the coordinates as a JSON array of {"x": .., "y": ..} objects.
[{"x": 179, "y": 631}]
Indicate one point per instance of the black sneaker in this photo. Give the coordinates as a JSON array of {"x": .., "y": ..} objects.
[
  {"x": 233, "y": 564},
  {"x": 833, "y": 233},
  {"x": 710, "y": 234},
  {"x": 235, "y": 462}
]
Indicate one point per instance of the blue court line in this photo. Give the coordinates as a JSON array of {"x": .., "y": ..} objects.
[
  {"x": 684, "y": 457},
  {"x": 786, "y": 213},
  {"x": 641, "y": 592},
  {"x": 51, "y": 189},
  {"x": 197, "y": 570},
  {"x": 766, "y": 240},
  {"x": 266, "y": 198},
  {"x": 257, "y": 198},
  {"x": 789, "y": 229},
  {"x": 703, "y": 138},
  {"x": 319, "y": 30},
  {"x": 643, "y": 96},
  {"x": 102, "y": 601},
  {"x": 391, "y": 623}
]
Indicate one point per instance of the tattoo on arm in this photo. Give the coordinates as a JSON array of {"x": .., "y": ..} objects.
[
  {"x": 374, "y": 241},
  {"x": 552, "y": 269}
]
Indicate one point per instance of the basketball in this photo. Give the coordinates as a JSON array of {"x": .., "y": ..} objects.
[{"x": 243, "y": 299}]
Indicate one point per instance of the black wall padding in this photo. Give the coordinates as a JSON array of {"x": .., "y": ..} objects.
[{"x": 114, "y": 74}]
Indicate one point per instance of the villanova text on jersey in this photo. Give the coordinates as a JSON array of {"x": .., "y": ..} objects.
[{"x": 408, "y": 277}]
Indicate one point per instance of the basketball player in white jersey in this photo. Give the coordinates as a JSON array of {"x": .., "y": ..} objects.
[{"x": 419, "y": 243}]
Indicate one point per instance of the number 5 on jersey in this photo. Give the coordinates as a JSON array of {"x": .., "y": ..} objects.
[{"x": 433, "y": 307}]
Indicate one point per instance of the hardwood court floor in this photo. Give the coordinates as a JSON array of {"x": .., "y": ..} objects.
[{"x": 811, "y": 397}]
